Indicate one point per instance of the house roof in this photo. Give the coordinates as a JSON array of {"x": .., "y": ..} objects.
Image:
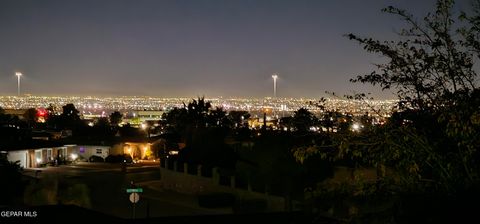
[{"x": 28, "y": 144}]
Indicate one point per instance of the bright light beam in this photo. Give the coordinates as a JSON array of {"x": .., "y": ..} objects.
[
  {"x": 18, "y": 74},
  {"x": 275, "y": 77}
]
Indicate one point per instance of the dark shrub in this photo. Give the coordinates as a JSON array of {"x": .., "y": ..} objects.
[
  {"x": 119, "y": 159},
  {"x": 111, "y": 159},
  {"x": 127, "y": 158},
  {"x": 96, "y": 159}
]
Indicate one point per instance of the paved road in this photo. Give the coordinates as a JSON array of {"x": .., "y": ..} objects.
[{"x": 107, "y": 188}]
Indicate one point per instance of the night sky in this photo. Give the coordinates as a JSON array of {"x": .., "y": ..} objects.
[{"x": 191, "y": 48}]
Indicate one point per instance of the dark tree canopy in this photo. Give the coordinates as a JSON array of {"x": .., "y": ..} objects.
[
  {"x": 430, "y": 65},
  {"x": 303, "y": 119},
  {"x": 203, "y": 129},
  {"x": 435, "y": 133},
  {"x": 13, "y": 188},
  {"x": 116, "y": 118},
  {"x": 432, "y": 141},
  {"x": 238, "y": 118},
  {"x": 70, "y": 116},
  {"x": 30, "y": 116}
]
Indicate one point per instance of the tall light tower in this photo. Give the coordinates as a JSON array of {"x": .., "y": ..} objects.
[
  {"x": 275, "y": 77},
  {"x": 18, "y": 74}
]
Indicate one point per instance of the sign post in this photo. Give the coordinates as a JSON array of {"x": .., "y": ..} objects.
[
  {"x": 134, "y": 196},
  {"x": 135, "y": 190}
]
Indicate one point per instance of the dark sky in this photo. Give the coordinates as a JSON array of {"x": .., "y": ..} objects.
[{"x": 191, "y": 48}]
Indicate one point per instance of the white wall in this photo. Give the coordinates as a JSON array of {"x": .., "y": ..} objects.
[
  {"x": 20, "y": 155},
  {"x": 86, "y": 151}
]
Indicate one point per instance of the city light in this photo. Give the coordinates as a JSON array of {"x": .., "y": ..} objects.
[
  {"x": 356, "y": 127},
  {"x": 173, "y": 153},
  {"x": 255, "y": 106},
  {"x": 74, "y": 156}
]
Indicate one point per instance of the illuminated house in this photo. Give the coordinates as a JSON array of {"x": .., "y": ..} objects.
[
  {"x": 85, "y": 152},
  {"x": 34, "y": 158},
  {"x": 38, "y": 157}
]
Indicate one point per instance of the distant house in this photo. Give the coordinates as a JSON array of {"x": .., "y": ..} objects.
[
  {"x": 143, "y": 116},
  {"x": 47, "y": 135},
  {"x": 15, "y": 112},
  {"x": 137, "y": 150},
  {"x": 149, "y": 115},
  {"x": 41, "y": 135},
  {"x": 33, "y": 158},
  {"x": 36, "y": 157},
  {"x": 84, "y": 152}
]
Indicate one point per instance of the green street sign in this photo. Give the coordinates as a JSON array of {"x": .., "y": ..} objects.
[{"x": 135, "y": 190}]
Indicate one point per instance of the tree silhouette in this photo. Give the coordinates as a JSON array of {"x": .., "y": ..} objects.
[
  {"x": 434, "y": 134},
  {"x": 68, "y": 119},
  {"x": 286, "y": 122},
  {"x": 218, "y": 118},
  {"x": 430, "y": 66},
  {"x": 238, "y": 118},
  {"x": 203, "y": 129},
  {"x": 176, "y": 120},
  {"x": 303, "y": 119},
  {"x": 115, "y": 118},
  {"x": 11, "y": 171},
  {"x": 30, "y": 116},
  {"x": 102, "y": 128},
  {"x": 432, "y": 142},
  {"x": 197, "y": 111},
  {"x": 70, "y": 116}
]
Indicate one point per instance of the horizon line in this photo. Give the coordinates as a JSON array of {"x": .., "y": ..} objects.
[{"x": 186, "y": 97}]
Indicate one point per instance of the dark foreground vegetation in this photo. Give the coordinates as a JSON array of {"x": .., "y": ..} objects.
[{"x": 427, "y": 154}]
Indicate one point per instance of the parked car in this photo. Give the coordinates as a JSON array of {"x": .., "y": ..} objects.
[{"x": 96, "y": 159}]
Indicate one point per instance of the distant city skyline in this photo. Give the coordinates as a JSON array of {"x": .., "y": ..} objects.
[
  {"x": 102, "y": 105},
  {"x": 181, "y": 48}
]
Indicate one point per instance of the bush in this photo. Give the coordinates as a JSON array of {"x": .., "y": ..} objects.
[
  {"x": 119, "y": 159},
  {"x": 96, "y": 159},
  {"x": 127, "y": 158},
  {"x": 216, "y": 200}
]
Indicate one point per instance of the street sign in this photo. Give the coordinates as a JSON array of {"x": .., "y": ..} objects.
[
  {"x": 134, "y": 190},
  {"x": 134, "y": 197}
]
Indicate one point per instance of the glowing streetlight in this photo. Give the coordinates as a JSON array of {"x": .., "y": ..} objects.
[
  {"x": 146, "y": 128},
  {"x": 356, "y": 127},
  {"x": 275, "y": 77},
  {"x": 18, "y": 74}
]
